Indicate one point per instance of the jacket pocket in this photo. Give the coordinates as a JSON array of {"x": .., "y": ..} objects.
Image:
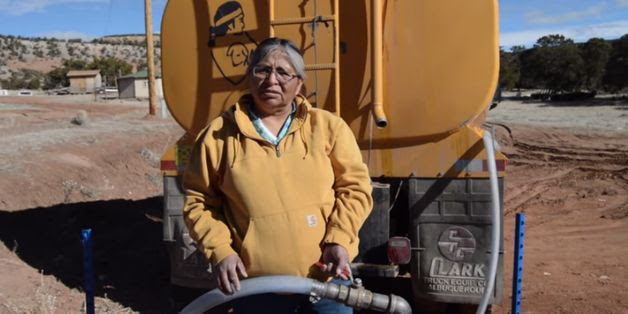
[
  {"x": 245, "y": 251},
  {"x": 308, "y": 229},
  {"x": 286, "y": 243}
]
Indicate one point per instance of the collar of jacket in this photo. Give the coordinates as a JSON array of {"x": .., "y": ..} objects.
[{"x": 246, "y": 127}]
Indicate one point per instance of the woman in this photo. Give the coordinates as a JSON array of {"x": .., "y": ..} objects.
[{"x": 274, "y": 186}]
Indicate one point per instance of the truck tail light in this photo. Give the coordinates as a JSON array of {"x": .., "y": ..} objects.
[{"x": 399, "y": 250}]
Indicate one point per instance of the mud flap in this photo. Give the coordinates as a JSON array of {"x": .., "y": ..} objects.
[{"x": 450, "y": 227}]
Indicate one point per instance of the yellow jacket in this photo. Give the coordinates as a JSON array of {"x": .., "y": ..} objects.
[{"x": 276, "y": 207}]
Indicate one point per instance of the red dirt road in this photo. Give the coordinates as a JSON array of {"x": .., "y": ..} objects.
[
  {"x": 572, "y": 186},
  {"x": 58, "y": 178}
]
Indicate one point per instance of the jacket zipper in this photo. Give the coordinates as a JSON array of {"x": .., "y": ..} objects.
[{"x": 277, "y": 151}]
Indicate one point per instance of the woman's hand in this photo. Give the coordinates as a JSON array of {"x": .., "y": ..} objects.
[
  {"x": 336, "y": 261},
  {"x": 229, "y": 271}
]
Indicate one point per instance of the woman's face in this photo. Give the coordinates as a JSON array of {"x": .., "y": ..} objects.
[{"x": 274, "y": 84}]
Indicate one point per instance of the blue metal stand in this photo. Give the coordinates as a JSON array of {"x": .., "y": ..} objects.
[
  {"x": 88, "y": 270},
  {"x": 517, "y": 273}
]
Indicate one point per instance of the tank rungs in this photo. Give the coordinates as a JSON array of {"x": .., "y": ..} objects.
[
  {"x": 320, "y": 66},
  {"x": 303, "y": 20}
]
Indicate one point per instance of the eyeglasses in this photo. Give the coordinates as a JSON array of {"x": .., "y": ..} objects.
[{"x": 264, "y": 72}]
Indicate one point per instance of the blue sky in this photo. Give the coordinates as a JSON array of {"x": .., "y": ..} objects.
[{"x": 521, "y": 21}]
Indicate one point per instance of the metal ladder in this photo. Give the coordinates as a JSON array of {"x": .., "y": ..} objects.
[{"x": 335, "y": 65}]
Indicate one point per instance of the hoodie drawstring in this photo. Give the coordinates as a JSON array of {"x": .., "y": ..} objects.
[
  {"x": 302, "y": 133},
  {"x": 236, "y": 144}
]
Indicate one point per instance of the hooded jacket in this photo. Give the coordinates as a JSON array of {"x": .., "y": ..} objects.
[{"x": 276, "y": 206}]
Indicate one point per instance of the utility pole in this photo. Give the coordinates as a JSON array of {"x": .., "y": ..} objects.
[{"x": 150, "y": 58}]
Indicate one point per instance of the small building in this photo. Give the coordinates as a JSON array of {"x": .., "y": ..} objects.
[
  {"x": 84, "y": 81},
  {"x": 136, "y": 85}
]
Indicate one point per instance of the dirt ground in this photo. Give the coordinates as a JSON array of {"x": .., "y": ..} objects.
[{"x": 70, "y": 163}]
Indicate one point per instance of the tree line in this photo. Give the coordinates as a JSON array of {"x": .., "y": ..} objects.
[
  {"x": 557, "y": 65},
  {"x": 554, "y": 64},
  {"x": 104, "y": 40},
  {"x": 113, "y": 59},
  {"x": 110, "y": 68}
]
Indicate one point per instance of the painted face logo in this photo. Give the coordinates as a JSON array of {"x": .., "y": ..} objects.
[
  {"x": 456, "y": 243},
  {"x": 239, "y": 54},
  {"x": 230, "y": 45},
  {"x": 229, "y": 18}
]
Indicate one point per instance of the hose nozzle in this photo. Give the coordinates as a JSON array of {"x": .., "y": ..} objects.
[{"x": 359, "y": 298}]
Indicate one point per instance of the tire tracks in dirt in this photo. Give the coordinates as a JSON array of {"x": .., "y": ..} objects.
[{"x": 574, "y": 166}]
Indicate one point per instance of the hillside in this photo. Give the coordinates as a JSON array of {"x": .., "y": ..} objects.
[
  {"x": 129, "y": 38},
  {"x": 41, "y": 55}
]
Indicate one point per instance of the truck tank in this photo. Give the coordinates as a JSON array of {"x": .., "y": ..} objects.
[{"x": 413, "y": 79}]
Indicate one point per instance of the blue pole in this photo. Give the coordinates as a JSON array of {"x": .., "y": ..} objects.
[
  {"x": 517, "y": 273},
  {"x": 88, "y": 270}
]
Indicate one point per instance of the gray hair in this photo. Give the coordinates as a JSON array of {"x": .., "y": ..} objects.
[{"x": 271, "y": 44}]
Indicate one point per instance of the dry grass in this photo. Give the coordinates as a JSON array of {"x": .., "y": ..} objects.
[
  {"x": 105, "y": 305},
  {"x": 7, "y": 305},
  {"x": 44, "y": 301}
]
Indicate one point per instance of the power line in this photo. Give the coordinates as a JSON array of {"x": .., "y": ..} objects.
[{"x": 108, "y": 18}]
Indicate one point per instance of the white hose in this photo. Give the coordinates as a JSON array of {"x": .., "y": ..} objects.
[
  {"x": 355, "y": 296},
  {"x": 259, "y": 285},
  {"x": 495, "y": 219}
]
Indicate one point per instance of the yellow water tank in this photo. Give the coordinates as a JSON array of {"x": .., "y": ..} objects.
[{"x": 439, "y": 66}]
